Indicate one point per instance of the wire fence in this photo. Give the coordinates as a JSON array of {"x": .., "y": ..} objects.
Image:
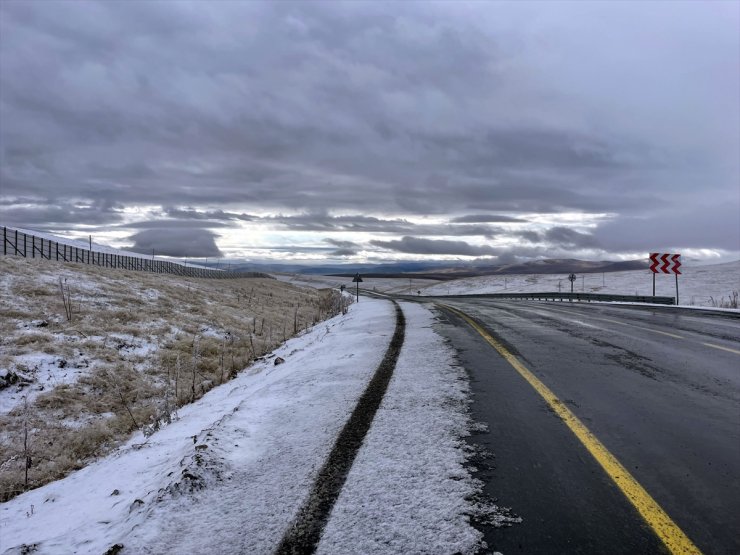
[{"x": 18, "y": 243}]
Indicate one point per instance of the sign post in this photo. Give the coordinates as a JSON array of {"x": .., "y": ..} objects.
[
  {"x": 571, "y": 278},
  {"x": 666, "y": 264},
  {"x": 357, "y": 279}
]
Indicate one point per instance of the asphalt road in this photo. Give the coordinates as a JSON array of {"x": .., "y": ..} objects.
[{"x": 660, "y": 389}]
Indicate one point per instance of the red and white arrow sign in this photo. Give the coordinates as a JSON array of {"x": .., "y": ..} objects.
[{"x": 665, "y": 263}]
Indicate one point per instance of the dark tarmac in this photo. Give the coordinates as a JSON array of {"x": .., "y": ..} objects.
[{"x": 659, "y": 387}]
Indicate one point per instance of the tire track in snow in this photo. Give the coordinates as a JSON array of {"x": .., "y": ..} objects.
[{"x": 304, "y": 534}]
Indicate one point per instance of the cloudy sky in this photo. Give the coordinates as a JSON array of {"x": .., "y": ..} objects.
[{"x": 351, "y": 131}]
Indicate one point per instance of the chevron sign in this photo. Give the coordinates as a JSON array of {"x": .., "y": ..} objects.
[{"x": 665, "y": 263}]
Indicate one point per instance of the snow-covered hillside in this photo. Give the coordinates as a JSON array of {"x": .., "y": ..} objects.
[{"x": 698, "y": 285}]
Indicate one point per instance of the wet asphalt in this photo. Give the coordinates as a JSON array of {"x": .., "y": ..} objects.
[{"x": 660, "y": 388}]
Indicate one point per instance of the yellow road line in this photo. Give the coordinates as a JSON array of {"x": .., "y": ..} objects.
[
  {"x": 667, "y": 530},
  {"x": 713, "y": 346}
]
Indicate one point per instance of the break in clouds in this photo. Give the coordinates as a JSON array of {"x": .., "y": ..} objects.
[{"x": 374, "y": 131}]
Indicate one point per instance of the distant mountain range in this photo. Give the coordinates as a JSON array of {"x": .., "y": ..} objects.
[{"x": 447, "y": 271}]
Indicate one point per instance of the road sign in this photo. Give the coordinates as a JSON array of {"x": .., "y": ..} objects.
[
  {"x": 357, "y": 279},
  {"x": 665, "y": 263},
  {"x": 571, "y": 278}
]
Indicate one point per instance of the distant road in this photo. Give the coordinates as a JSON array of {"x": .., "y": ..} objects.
[{"x": 658, "y": 390}]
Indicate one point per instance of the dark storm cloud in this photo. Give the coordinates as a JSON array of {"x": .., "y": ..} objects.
[
  {"x": 399, "y": 109},
  {"x": 666, "y": 231},
  {"x": 173, "y": 224},
  {"x": 344, "y": 252},
  {"x": 33, "y": 212},
  {"x": 341, "y": 244},
  {"x": 529, "y": 236},
  {"x": 370, "y": 224},
  {"x": 325, "y": 222},
  {"x": 195, "y": 243},
  {"x": 345, "y": 248},
  {"x": 566, "y": 237},
  {"x": 486, "y": 218},
  {"x": 416, "y": 245},
  {"x": 191, "y": 214}
]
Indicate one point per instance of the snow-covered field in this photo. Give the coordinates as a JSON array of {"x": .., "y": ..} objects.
[
  {"x": 712, "y": 285},
  {"x": 230, "y": 473}
]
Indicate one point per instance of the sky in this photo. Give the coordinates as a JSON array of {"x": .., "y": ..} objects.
[{"x": 347, "y": 132}]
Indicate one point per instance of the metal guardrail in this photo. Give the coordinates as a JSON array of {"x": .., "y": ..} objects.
[
  {"x": 555, "y": 296},
  {"x": 22, "y": 244}
]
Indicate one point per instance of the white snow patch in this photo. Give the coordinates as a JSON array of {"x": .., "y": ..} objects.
[
  {"x": 407, "y": 490},
  {"x": 43, "y": 371}
]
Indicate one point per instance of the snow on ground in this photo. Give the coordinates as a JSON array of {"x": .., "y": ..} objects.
[
  {"x": 698, "y": 285},
  {"x": 229, "y": 475},
  {"x": 407, "y": 490},
  {"x": 40, "y": 372},
  {"x": 401, "y": 286}
]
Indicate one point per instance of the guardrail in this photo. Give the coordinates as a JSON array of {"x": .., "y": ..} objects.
[
  {"x": 587, "y": 297},
  {"x": 30, "y": 246}
]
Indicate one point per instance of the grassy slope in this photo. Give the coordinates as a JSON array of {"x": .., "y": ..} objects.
[{"x": 137, "y": 347}]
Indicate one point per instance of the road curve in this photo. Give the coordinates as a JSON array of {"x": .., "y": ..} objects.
[{"x": 658, "y": 387}]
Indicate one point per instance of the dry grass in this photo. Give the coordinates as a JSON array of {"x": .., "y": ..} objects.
[
  {"x": 141, "y": 345},
  {"x": 731, "y": 302}
]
